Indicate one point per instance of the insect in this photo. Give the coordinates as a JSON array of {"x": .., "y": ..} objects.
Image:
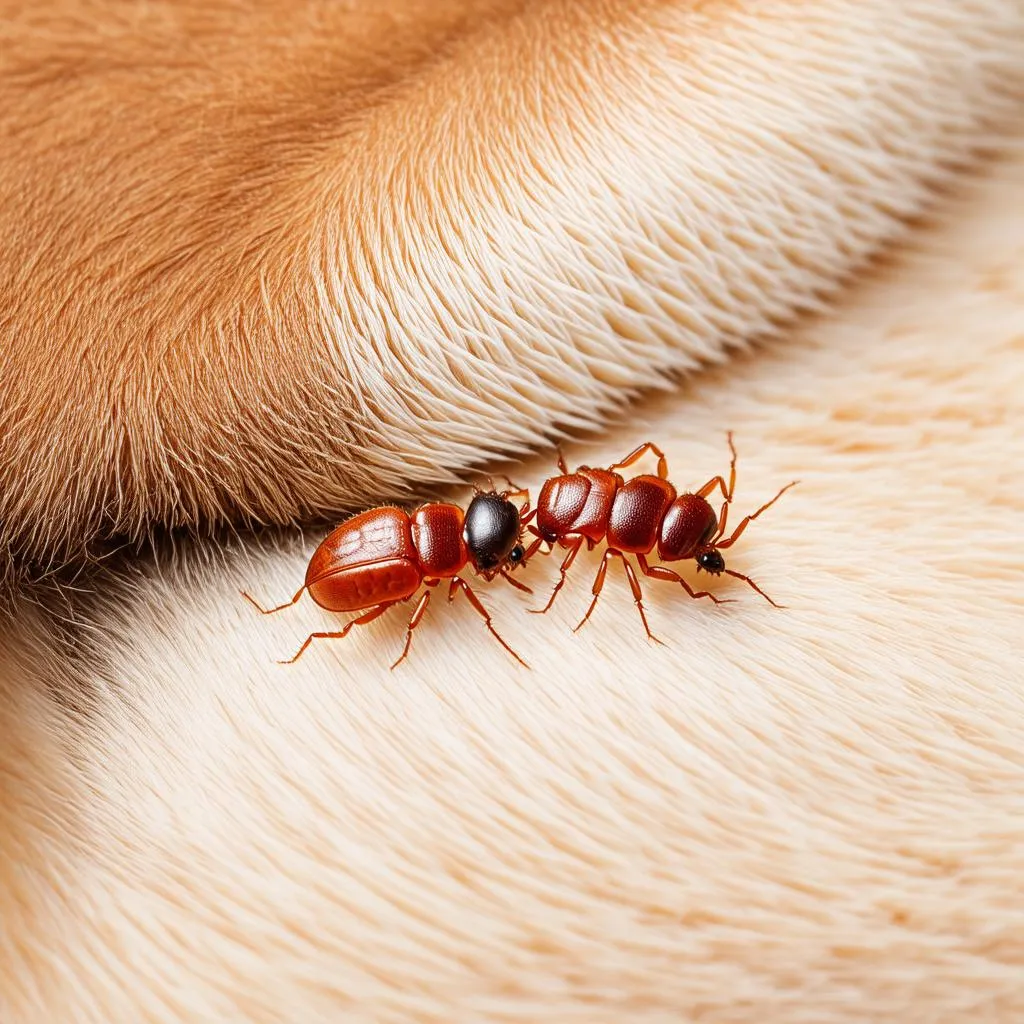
[
  {"x": 380, "y": 557},
  {"x": 633, "y": 517}
]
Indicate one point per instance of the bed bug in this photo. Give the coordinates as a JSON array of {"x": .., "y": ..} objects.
[
  {"x": 635, "y": 516},
  {"x": 381, "y": 557}
]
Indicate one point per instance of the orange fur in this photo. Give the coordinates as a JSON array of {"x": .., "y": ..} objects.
[
  {"x": 267, "y": 261},
  {"x": 810, "y": 816}
]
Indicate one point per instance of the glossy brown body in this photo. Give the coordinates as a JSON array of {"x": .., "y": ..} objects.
[
  {"x": 687, "y": 525},
  {"x": 577, "y": 504},
  {"x": 631, "y": 516},
  {"x": 635, "y": 516},
  {"x": 381, "y": 557},
  {"x": 384, "y": 554},
  {"x": 636, "y": 513}
]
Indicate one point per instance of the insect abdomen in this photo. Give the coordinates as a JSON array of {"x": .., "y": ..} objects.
[
  {"x": 688, "y": 523},
  {"x": 368, "y": 559},
  {"x": 362, "y": 586}
]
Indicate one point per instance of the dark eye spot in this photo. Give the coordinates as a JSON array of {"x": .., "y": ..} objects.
[{"x": 516, "y": 554}]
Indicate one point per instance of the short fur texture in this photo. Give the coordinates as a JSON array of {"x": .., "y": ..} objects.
[
  {"x": 365, "y": 249},
  {"x": 809, "y": 816}
]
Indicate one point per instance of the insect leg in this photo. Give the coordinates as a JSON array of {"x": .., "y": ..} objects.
[
  {"x": 723, "y": 518},
  {"x": 515, "y": 488},
  {"x": 457, "y": 584},
  {"x": 729, "y": 541},
  {"x": 740, "y": 576},
  {"x": 566, "y": 563},
  {"x": 634, "y": 583},
  {"x": 663, "y": 572},
  {"x": 414, "y": 621},
  {"x": 515, "y": 583},
  {"x": 639, "y": 453},
  {"x": 280, "y": 607},
  {"x": 366, "y": 617},
  {"x": 638, "y": 596},
  {"x": 717, "y": 481},
  {"x": 533, "y": 548}
]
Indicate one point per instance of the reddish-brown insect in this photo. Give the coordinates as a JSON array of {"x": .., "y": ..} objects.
[
  {"x": 380, "y": 557},
  {"x": 633, "y": 517}
]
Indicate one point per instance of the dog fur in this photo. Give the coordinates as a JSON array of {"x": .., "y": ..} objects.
[
  {"x": 808, "y": 815},
  {"x": 366, "y": 249}
]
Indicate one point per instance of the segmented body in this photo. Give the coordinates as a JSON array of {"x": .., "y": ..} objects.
[
  {"x": 636, "y": 516},
  {"x": 633, "y": 516},
  {"x": 383, "y": 556}
]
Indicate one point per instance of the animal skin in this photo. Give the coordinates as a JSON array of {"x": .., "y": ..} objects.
[{"x": 266, "y": 265}]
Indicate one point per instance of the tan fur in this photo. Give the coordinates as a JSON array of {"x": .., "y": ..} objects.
[
  {"x": 810, "y": 815},
  {"x": 264, "y": 263}
]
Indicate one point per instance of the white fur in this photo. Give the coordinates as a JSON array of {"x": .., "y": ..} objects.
[
  {"x": 805, "y": 815},
  {"x": 569, "y": 205}
]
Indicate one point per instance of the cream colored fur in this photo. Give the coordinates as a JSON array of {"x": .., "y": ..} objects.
[
  {"x": 310, "y": 257},
  {"x": 807, "y": 815}
]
